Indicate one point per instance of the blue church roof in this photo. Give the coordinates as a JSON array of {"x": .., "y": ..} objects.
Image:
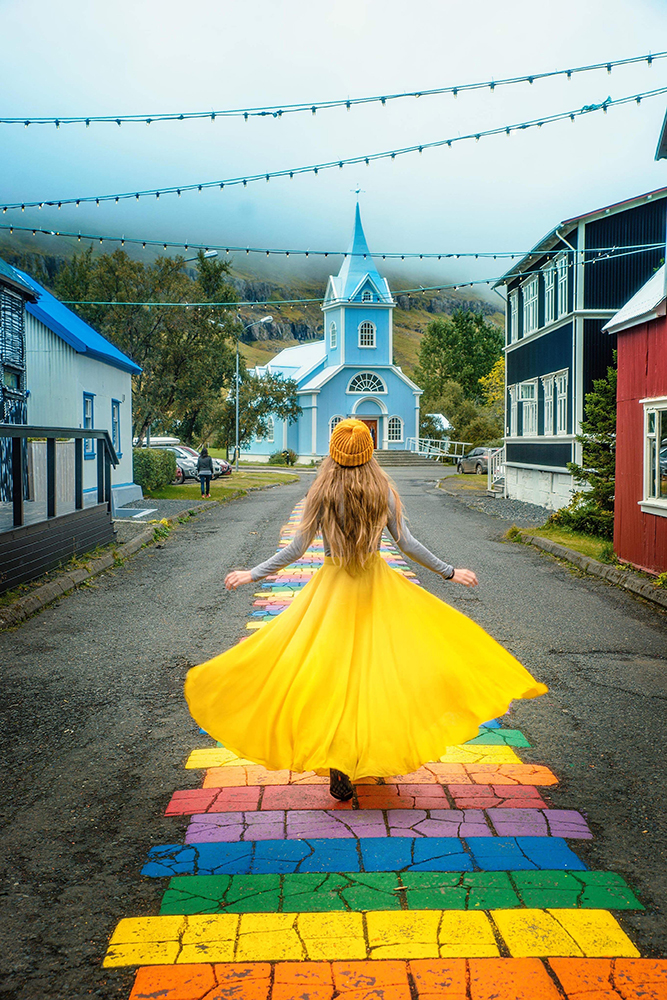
[
  {"x": 358, "y": 266},
  {"x": 71, "y": 328}
]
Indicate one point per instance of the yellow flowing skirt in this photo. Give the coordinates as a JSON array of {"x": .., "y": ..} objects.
[{"x": 369, "y": 674}]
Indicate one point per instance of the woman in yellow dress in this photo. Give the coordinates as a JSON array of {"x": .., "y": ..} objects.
[{"x": 365, "y": 674}]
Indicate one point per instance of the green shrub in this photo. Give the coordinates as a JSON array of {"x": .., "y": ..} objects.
[
  {"x": 512, "y": 533},
  {"x": 153, "y": 467},
  {"x": 585, "y": 515},
  {"x": 287, "y": 457}
]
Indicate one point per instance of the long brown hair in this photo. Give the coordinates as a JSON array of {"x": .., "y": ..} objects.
[{"x": 351, "y": 505}]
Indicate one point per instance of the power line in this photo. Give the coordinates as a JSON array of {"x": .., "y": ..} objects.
[
  {"x": 292, "y": 252},
  {"x": 312, "y": 107},
  {"x": 411, "y": 292},
  {"x": 315, "y": 168}
]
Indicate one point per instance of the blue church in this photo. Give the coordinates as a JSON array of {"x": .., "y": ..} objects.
[{"x": 351, "y": 372}]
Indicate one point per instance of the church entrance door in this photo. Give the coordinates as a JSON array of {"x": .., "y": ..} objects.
[{"x": 373, "y": 428}]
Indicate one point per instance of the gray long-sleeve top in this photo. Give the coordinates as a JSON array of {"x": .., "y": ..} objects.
[{"x": 402, "y": 535}]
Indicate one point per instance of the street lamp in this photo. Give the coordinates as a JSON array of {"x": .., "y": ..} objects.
[
  {"x": 248, "y": 326},
  {"x": 207, "y": 254}
]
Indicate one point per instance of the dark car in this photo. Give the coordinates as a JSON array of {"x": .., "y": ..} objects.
[
  {"x": 186, "y": 463},
  {"x": 476, "y": 461}
]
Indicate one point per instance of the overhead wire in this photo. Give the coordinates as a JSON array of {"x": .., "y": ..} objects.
[
  {"x": 603, "y": 254},
  {"x": 338, "y": 163},
  {"x": 229, "y": 248},
  {"x": 312, "y": 107}
]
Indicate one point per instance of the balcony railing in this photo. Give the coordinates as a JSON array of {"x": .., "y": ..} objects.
[
  {"x": 496, "y": 481},
  {"x": 441, "y": 450},
  {"x": 20, "y": 433}
]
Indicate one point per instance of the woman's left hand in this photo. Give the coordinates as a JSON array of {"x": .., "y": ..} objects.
[
  {"x": 237, "y": 578},
  {"x": 465, "y": 577}
]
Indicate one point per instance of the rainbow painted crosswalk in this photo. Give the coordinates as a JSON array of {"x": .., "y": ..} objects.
[{"x": 456, "y": 881}]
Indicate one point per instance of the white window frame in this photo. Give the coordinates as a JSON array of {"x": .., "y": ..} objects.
[
  {"x": 367, "y": 295},
  {"x": 531, "y": 299},
  {"x": 89, "y": 423},
  {"x": 561, "y": 382},
  {"x": 548, "y": 386},
  {"x": 514, "y": 315},
  {"x": 366, "y": 330},
  {"x": 115, "y": 426},
  {"x": 333, "y": 336},
  {"x": 655, "y": 431},
  {"x": 528, "y": 400},
  {"x": 549, "y": 272},
  {"x": 364, "y": 390},
  {"x": 270, "y": 430},
  {"x": 400, "y": 428},
  {"x": 334, "y": 421},
  {"x": 562, "y": 273},
  {"x": 514, "y": 411}
]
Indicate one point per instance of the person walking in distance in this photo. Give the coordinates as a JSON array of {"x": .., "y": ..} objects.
[
  {"x": 205, "y": 472},
  {"x": 365, "y": 674}
]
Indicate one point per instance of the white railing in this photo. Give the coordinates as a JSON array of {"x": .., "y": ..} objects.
[
  {"x": 441, "y": 451},
  {"x": 496, "y": 482}
]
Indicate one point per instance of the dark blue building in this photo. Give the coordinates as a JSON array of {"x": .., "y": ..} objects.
[{"x": 559, "y": 297}]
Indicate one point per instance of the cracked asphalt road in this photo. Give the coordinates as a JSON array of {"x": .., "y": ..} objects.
[{"x": 95, "y": 729}]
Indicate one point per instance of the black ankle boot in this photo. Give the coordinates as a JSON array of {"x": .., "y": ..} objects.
[{"x": 340, "y": 785}]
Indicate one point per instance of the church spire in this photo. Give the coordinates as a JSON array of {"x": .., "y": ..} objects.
[{"x": 359, "y": 264}]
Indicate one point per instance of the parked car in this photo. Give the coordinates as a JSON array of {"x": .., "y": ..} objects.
[
  {"x": 186, "y": 463},
  {"x": 476, "y": 461}
]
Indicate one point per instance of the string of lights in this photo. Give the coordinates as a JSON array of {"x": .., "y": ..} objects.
[
  {"x": 312, "y": 107},
  {"x": 316, "y": 168},
  {"x": 410, "y": 292},
  {"x": 274, "y": 251}
]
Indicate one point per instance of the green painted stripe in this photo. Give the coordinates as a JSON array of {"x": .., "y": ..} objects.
[{"x": 321, "y": 893}]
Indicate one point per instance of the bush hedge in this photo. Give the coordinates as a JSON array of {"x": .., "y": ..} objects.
[
  {"x": 287, "y": 457},
  {"x": 153, "y": 467}
]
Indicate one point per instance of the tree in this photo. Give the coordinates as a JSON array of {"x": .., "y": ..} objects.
[
  {"x": 259, "y": 399},
  {"x": 462, "y": 349},
  {"x": 591, "y": 509},
  {"x": 475, "y": 424},
  {"x": 185, "y": 353}
]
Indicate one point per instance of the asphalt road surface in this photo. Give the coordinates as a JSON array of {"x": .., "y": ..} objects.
[{"x": 95, "y": 730}]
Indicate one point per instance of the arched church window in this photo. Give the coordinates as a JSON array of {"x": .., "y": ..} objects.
[
  {"x": 367, "y": 296},
  {"x": 334, "y": 422},
  {"x": 367, "y": 334},
  {"x": 366, "y": 382},
  {"x": 269, "y": 430},
  {"x": 395, "y": 429},
  {"x": 333, "y": 337}
]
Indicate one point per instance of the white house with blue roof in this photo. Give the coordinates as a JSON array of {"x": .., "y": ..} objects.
[
  {"x": 351, "y": 372},
  {"x": 74, "y": 377}
]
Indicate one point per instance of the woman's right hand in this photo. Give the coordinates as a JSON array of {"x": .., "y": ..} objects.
[
  {"x": 237, "y": 578},
  {"x": 465, "y": 577}
]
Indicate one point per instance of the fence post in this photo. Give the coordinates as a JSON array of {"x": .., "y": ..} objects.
[
  {"x": 17, "y": 480},
  {"x": 78, "y": 473},
  {"x": 50, "y": 477},
  {"x": 107, "y": 475},
  {"x": 100, "y": 470}
]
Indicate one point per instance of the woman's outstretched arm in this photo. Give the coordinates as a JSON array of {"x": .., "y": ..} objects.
[
  {"x": 283, "y": 557},
  {"x": 414, "y": 549}
]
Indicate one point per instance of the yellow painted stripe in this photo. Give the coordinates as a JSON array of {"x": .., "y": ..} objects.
[
  {"x": 216, "y": 757},
  {"x": 276, "y": 937}
]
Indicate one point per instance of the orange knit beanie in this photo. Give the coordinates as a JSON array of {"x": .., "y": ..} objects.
[{"x": 351, "y": 443}]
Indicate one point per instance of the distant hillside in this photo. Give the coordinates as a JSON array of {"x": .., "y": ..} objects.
[{"x": 292, "y": 323}]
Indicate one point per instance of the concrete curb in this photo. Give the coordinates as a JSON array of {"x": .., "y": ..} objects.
[
  {"x": 622, "y": 578},
  {"x": 41, "y": 596}
]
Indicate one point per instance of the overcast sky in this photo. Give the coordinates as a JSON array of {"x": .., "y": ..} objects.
[{"x": 86, "y": 57}]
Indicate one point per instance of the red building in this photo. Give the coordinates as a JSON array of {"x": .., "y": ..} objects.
[{"x": 640, "y": 519}]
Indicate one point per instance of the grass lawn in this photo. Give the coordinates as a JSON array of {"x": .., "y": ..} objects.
[
  {"x": 463, "y": 482},
  {"x": 588, "y": 545},
  {"x": 225, "y": 488}
]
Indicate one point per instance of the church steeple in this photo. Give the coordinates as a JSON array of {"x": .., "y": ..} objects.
[{"x": 358, "y": 269}]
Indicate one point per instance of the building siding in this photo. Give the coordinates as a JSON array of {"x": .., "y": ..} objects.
[
  {"x": 639, "y": 538},
  {"x": 549, "y": 353},
  {"x": 598, "y": 352},
  {"x": 608, "y": 284},
  {"x": 550, "y": 455}
]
